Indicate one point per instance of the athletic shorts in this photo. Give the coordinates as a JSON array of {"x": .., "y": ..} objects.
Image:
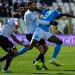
[
  {"x": 29, "y": 37},
  {"x": 6, "y": 44},
  {"x": 41, "y": 34}
]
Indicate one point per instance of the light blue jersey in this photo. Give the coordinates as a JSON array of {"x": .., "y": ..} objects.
[
  {"x": 44, "y": 11},
  {"x": 49, "y": 16},
  {"x": 29, "y": 20}
]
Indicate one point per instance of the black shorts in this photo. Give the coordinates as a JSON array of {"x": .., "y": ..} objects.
[
  {"x": 6, "y": 44},
  {"x": 29, "y": 37}
]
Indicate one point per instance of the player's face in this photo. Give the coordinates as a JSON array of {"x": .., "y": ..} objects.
[
  {"x": 33, "y": 5},
  {"x": 17, "y": 26}
]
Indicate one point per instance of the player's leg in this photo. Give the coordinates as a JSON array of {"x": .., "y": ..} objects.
[
  {"x": 7, "y": 64},
  {"x": 43, "y": 50},
  {"x": 37, "y": 61},
  {"x": 8, "y": 47},
  {"x": 45, "y": 47},
  {"x": 22, "y": 51},
  {"x": 35, "y": 40},
  {"x": 41, "y": 54},
  {"x": 58, "y": 43},
  {"x": 39, "y": 47},
  {"x": 25, "y": 49}
]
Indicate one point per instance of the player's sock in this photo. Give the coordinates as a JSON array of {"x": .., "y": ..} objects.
[
  {"x": 40, "y": 57},
  {"x": 8, "y": 62},
  {"x": 56, "y": 51},
  {"x": 21, "y": 51},
  {"x": 43, "y": 61}
]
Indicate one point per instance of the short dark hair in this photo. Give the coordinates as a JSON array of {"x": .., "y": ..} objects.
[
  {"x": 30, "y": 2},
  {"x": 16, "y": 16}
]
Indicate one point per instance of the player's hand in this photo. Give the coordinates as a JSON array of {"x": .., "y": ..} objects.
[
  {"x": 54, "y": 23},
  {"x": 15, "y": 51},
  {"x": 28, "y": 46}
]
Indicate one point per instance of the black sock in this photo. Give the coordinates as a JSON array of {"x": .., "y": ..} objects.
[
  {"x": 42, "y": 58},
  {"x": 8, "y": 62},
  {"x": 5, "y": 57},
  {"x": 38, "y": 57}
]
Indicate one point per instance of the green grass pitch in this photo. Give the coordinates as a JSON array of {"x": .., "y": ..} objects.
[{"x": 22, "y": 65}]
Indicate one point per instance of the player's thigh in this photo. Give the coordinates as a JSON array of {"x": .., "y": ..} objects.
[
  {"x": 54, "y": 39},
  {"x": 40, "y": 49},
  {"x": 43, "y": 43},
  {"x": 45, "y": 46},
  {"x": 40, "y": 45}
]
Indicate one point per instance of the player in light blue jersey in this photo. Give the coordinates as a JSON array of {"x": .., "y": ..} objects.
[
  {"x": 30, "y": 20},
  {"x": 42, "y": 32}
]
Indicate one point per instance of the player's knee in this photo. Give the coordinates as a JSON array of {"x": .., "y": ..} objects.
[{"x": 40, "y": 48}]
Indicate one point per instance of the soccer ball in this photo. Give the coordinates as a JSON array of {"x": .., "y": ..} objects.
[{"x": 38, "y": 65}]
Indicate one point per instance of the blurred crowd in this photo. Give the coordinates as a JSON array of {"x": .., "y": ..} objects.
[{"x": 7, "y": 7}]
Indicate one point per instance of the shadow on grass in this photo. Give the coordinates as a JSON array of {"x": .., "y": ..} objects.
[
  {"x": 70, "y": 70},
  {"x": 64, "y": 72},
  {"x": 49, "y": 74},
  {"x": 39, "y": 73}
]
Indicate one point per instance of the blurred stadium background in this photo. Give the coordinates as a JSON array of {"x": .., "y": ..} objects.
[
  {"x": 67, "y": 25},
  {"x": 23, "y": 65}
]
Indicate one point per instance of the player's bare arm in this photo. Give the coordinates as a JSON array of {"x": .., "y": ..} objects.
[{"x": 67, "y": 15}]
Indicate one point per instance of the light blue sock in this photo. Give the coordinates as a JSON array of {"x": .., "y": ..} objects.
[
  {"x": 22, "y": 51},
  {"x": 56, "y": 50}
]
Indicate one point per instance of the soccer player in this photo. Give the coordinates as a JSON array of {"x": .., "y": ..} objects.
[
  {"x": 42, "y": 32},
  {"x": 30, "y": 19},
  {"x": 8, "y": 30}
]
